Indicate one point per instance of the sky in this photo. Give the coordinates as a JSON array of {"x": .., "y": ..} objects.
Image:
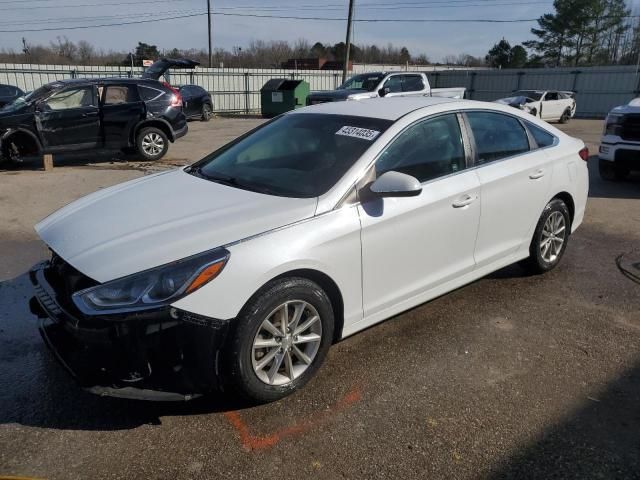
[{"x": 435, "y": 40}]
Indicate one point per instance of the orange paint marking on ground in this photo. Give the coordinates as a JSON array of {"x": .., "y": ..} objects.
[{"x": 254, "y": 442}]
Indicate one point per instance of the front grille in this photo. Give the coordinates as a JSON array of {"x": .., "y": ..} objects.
[
  {"x": 631, "y": 128},
  {"x": 66, "y": 280}
]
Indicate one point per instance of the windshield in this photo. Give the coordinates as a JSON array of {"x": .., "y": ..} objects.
[
  {"x": 296, "y": 155},
  {"x": 367, "y": 82},
  {"x": 529, "y": 93}
]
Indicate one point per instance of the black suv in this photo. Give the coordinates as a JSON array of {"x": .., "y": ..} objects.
[{"x": 108, "y": 113}]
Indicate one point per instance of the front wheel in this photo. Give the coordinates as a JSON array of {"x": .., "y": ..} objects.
[
  {"x": 612, "y": 171},
  {"x": 280, "y": 339},
  {"x": 152, "y": 143},
  {"x": 550, "y": 238}
]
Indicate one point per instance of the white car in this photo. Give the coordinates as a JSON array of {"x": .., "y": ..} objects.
[
  {"x": 238, "y": 272},
  {"x": 548, "y": 105},
  {"x": 619, "y": 151}
]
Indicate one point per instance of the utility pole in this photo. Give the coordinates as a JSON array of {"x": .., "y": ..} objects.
[
  {"x": 348, "y": 42},
  {"x": 209, "y": 27}
]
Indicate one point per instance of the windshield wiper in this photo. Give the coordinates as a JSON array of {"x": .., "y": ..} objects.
[{"x": 231, "y": 181}]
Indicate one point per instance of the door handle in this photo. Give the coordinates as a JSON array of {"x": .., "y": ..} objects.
[
  {"x": 89, "y": 114},
  {"x": 463, "y": 201},
  {"x": 537, "y": 174}
]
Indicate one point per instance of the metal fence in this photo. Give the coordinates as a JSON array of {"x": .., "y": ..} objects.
[
  {"x": 238, "y": 90},
  {"x": 233, "y": 90},
  {"x": 598, "y": 89}
]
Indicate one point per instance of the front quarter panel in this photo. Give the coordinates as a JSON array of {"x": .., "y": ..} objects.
[{"x": 328, "y": 243}]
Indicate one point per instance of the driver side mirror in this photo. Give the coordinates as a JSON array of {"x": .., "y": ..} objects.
[
  {"x": 383, "y": 91},
  {"x": 396, "y": 184}
]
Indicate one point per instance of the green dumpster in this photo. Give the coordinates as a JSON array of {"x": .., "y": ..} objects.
[{"x": 280, "y": 95}]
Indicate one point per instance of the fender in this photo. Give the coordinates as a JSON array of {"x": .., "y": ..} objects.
[
  {"x": 12, "y": 131},
  {"x": 152, "y": 120}
]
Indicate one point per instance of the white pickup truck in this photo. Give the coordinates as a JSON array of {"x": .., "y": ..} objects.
[{"x": 384, "y": 84}]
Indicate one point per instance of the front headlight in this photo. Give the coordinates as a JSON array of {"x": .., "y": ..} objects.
[
  {"x": 152, "y": 288},
  {"x": 613, "y": 124}
]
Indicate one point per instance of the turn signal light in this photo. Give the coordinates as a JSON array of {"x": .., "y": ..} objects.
[
  {"x": 206, "y": 275},
  {"x": 584, "y": 154}
]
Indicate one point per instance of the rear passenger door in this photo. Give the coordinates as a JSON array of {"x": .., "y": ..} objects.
[
  {"x": 122, "y": 109},
  {"x": 515, "y": 180}
]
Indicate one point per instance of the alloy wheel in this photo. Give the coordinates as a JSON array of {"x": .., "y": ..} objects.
[
  {"x": 286, "y": 343},
  {"x": 152, "y": 144},
  {"x": 554, "y": 234}
]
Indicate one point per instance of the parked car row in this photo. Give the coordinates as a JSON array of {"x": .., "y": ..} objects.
[{"x": 143, "y": 115}]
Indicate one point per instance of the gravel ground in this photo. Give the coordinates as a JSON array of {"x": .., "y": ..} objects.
[{"x": 510, "y": 377}]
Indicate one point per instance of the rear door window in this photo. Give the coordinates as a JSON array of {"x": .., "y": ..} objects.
[
  {"x": 412, "y": 83},
  {"x": 119, "y": 94},
  {"x": 497, "y": 136}
]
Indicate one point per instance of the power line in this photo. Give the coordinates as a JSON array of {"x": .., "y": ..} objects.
[
  {"x": 31, "y": 7},
  {"x": 294, "y": 17}
]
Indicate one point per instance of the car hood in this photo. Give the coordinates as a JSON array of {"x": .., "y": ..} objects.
[
  {"x": 158, "y": 219},
  {"x": 159, "y": 67},
  {"x": 515, "y": 100},
  {"x": 632, "y": 107}
]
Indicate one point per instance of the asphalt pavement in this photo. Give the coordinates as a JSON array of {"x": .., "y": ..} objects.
[{"x": 513, "y": 376}]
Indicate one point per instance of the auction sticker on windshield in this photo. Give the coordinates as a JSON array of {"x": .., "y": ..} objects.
[{"x": 358, "y": 132}]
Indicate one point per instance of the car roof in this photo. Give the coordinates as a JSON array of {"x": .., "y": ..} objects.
[{"x": 383, "y": 108}]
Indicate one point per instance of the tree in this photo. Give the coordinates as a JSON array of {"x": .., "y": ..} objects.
[
  {"x": 146, "y": 51},
  {"x": 500, "y": 55},
  {"x": 85, "y": 52},
  {"x": 318, "y": 50},
  {"x": 405, "y": 56},
  {"x": 581, "y": 32},
  {"x": 518, "y": 57}
]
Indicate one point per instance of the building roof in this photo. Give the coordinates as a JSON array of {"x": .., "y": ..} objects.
[{"x": 385, "y": 108}]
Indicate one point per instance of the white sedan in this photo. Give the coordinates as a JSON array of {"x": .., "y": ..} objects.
[
  {"x": 238, "y": 272},
  {"x": 549, "y": 105}
]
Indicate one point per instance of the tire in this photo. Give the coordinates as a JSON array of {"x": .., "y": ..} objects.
[
  {"x": 612, "y": 171},
  {"x": 152, "y": 143},
  {"x": 566, "y": 116},
  {"x": 243, "y": 370},
  {"x": 206, "y": 113},
  {"x": 544, "y": 254}
]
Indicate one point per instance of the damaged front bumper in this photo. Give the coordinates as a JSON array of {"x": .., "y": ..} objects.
[{"x": 165, "y": 354}]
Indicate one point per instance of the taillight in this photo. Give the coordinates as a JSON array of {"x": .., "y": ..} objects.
[
  {"x": 584, "y": 154},
  {"x": 176, "y": 98}
]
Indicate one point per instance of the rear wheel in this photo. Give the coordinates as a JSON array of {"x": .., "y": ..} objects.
[
  {"x": 152, "y": 143},
  {"x": 280, "y": 340},
  {"x": 549, "y": 238},
  {"x": 612, "y": 171},
  {"x": 206, "y": 113},
  {"x": 566, "y": 116}
]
